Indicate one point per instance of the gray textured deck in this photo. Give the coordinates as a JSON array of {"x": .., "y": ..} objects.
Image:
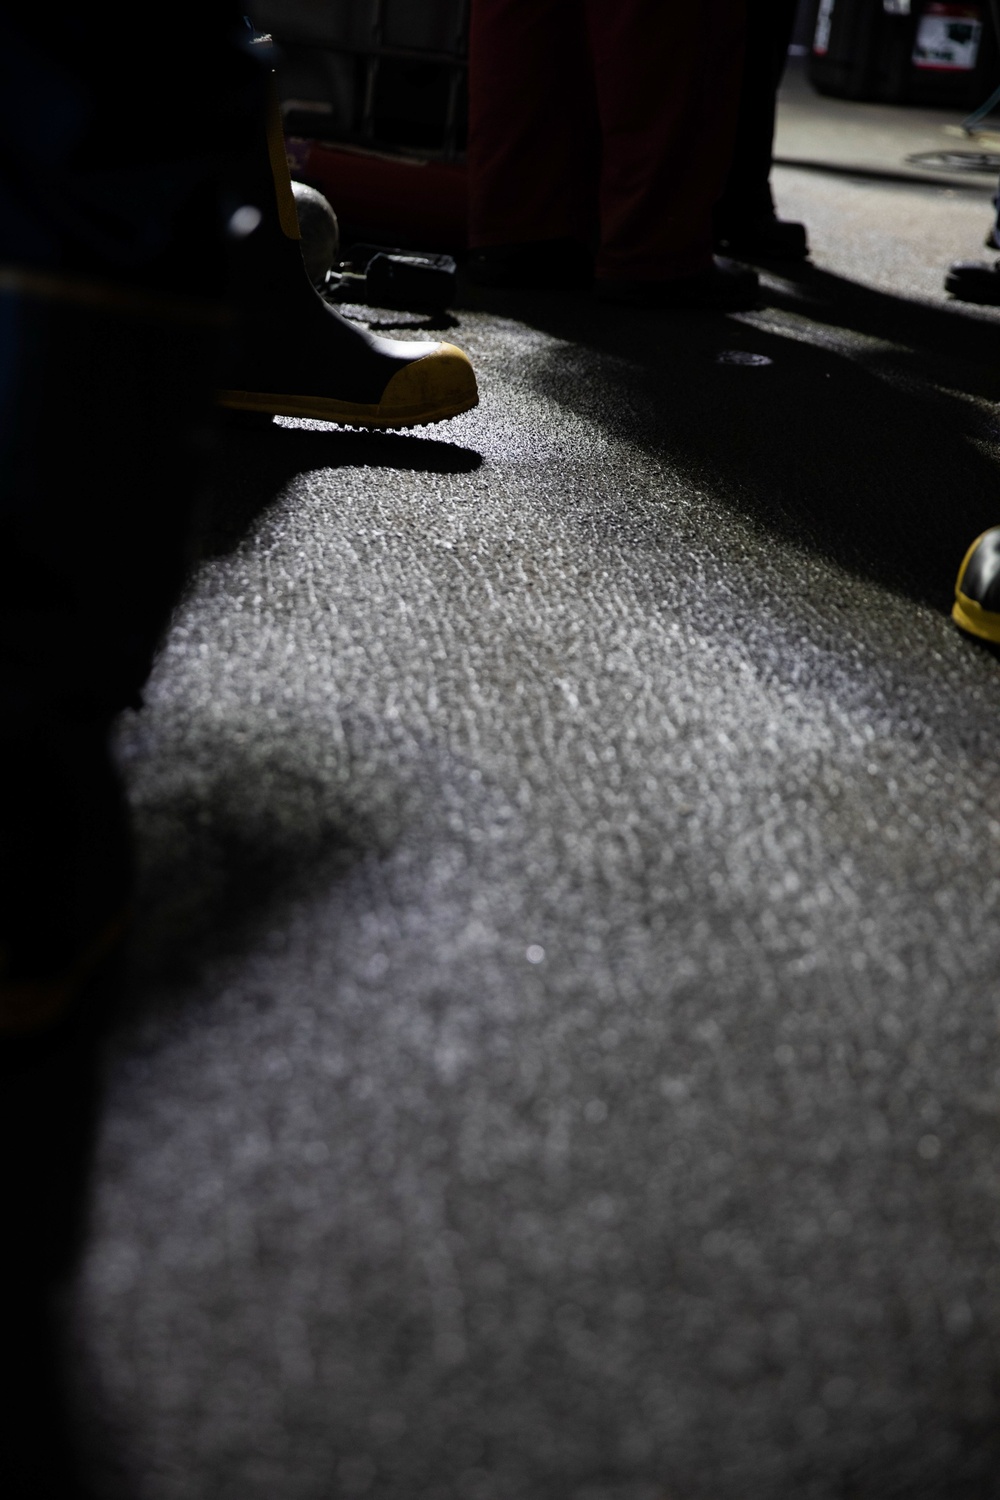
[{"x": 562, "y": 1060}]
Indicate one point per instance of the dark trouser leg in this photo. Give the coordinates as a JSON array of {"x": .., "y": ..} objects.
[
  {"x": 747, "y": 194},
  {"x": 113, "y": 201},
  {"x": 112, "y": 274}
]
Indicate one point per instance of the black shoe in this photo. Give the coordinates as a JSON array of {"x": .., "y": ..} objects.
[
  {"x": 724, "y": 287},
  {"x": 764, "y": 237},
  {"x": 977, "y": 588},
  {"x": 974, "y": 281},
  {"x": 544, "y": 265},
  {"x": 293, "y": 355}
]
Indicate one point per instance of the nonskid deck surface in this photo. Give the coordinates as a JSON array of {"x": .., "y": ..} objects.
[{"x": 562, "y": 1051}]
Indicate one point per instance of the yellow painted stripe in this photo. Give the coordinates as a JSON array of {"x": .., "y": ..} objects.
[
  {"x": 55, "y": 287},
  {"x": 288, "y": 216}
]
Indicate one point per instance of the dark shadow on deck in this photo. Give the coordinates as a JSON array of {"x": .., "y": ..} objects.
[
  {"x": 255, "y": 459},
  {"x": 878, "y": 454}
]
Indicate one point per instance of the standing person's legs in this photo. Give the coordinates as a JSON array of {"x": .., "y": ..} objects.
[
  {"x": 668, "y": 82},
  {"x": 532, "y": 132}
]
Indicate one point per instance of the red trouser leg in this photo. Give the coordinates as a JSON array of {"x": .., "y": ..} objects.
[
  {"x": 666, "y": 77},
  {"x": 668, "y": 87},
  {"x": 532, "y": 123}
]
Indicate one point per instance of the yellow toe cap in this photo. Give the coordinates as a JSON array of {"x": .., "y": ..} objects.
[
  {"x": 438, "y": 385},
  {"x": 972, "y": 618}
]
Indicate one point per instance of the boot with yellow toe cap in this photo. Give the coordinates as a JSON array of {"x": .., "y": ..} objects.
[
  {"x": 294, "y": 355},
  {"x": 977, "y": 588}
]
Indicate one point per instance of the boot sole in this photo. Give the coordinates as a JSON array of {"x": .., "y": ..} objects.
[
  {"x": 974, "y": 620},
  {"x": 345, "y": 413}
]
